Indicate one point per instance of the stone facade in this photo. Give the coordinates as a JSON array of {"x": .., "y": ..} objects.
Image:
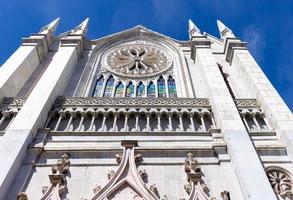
[{"x": 139, "y": 115}]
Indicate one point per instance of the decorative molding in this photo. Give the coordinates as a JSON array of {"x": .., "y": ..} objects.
[
  {"x": 281, "y": 181},
  {"x": 133, "y": 102},
  {"x": 196, "y": 188},
  {"x": 127, "y": 180},
  {"x": 13, "y": 102},
  {"x": 246, "y": 103},
  {"x": 58, "y": 180}
]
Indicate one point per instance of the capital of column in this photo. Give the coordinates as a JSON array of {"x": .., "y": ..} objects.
[
  {"x": 76, "y": 37},
  {"x": 199, "y": 41},
  {"x": 232, "y": 44},
  {"x": 43, "y": 39}
]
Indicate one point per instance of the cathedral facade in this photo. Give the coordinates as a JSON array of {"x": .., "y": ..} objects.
[{"x": 140, "y": 115}]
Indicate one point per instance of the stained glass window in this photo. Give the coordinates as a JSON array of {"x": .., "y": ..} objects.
[
  {"x": 99, "y": 87},
  {"x": 140, "y": 90},
  {"x": 161, "y": 87},
  {"x": 151, "y": 90},
  {"x": 130, "y": 90},
  {"x": 109, "y": 87},
  {"x": 119, "y": 90},
  {"x": 172, "y": 87}
]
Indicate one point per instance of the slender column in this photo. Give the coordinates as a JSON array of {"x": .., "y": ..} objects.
[
  {"x": 170, "y": 121},
  {"x": 181, "y": 122},
  {"x": 267, "y": 123},
  {"x": 203, "y": 126},
  {"x": 228, "y": 119},
  {"x": 126, "y": 122},
  {"x": 148, "y": 122},
  {"x": 2, "y": 119},
  {"x": 191, "y": 121},
  {"x": 159, "y": 122},
  {"x": 13, "y": 117},
  {"x": 83, "y": 115},
  {"x": 72, "y": 115},
  {"x": 167, "y": 87},
  {"x": 115, "y": 122},
  {"x": 136, "y": 122},
  {"x": 213, "y": 121},
  {"x": 92, "y": 122},
  {"x": 245, "y": 122},
  {"x": 104, "y": 122},
  {"x": 255, "y": 121},
  {"x": 61, "y": 116}
]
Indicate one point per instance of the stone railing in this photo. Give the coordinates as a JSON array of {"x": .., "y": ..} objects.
[
  {"x": 253, "y": 117},
  {"x": 9, "y": 109},
  {"x": 129, "y": 115}
]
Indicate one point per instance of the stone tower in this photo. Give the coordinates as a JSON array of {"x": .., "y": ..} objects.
[{"x": 140, "y": 115}]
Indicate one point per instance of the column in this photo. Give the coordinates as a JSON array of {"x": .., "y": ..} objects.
[
  {"x": 244, "y": 158},
  {"x": 32, "y": 115},
  {"x": 19, "y": 67}
]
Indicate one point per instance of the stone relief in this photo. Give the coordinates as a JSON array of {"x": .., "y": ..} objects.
[
  {"x": 127, "y": 182},
  {"x": 281, "y": 181},
  {"x": 137, "y": 60}
]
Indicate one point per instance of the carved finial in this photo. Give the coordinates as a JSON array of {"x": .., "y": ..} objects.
[
  {"x": 164, "y": 197},
  {"x": 225, "y": 32},
  {"x": 118, "y": 157},
  {"x": 63, "y": 164},
  {"x": 154, "y": 189},
  {"x": 110, "y": 174},
  {"x": 193, "y": 29},
  {"x": 21, "y": 196},
  {"x": 143, "y": 174},
  {"x": 225, "y": 195},
  {"x": 81, "y": 29},
  {"x": 51, "y": 27},
  {"x": 96, "y": 189},
  {"x": 192, "y": 169}
]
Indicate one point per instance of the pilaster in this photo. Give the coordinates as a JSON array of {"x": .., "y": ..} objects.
[
  {"x": 249, "y": 171},
  {"x": 33, "y": 114},
  {"x": 276, "y": 111},
  {"x": 18, "y": 68}
]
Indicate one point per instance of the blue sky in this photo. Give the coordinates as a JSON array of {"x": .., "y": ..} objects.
[{"x": 267, "y": 25}]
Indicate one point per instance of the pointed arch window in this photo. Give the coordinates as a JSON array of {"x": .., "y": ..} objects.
[
  {"x": 119, "y": 90},
  {"x": 172, "y": 87},
  {"x": 161, "y": 87},
  {"x": 151, "y": 90},
  {"x": 140, "y": 90},
  {"x": 130, "y": 90},
  {"x": 109, "y": 87},
  {"x": 99, "y": 87}
]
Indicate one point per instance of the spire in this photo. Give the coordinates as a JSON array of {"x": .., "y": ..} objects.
[
  {"x": 193, "y": 29},
  {"x": 81, "y": 29},
  {"x": 225, "y": 32},
  {"x": 51, "y": 27}
]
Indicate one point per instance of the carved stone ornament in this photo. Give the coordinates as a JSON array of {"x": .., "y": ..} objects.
[
  {"x": 126, "y": 183},
  {"x": 225, "y": 195},
  {"x": 281, "y": 181},
  {"x": 137, "y": 60},
  {"x": 22, "y": 196},
  {"x": 57, "y": 179},
  {"x": 196, "y": 188}
]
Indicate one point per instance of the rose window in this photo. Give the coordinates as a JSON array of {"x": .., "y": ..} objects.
[
  {"x": 138, "y": 60},
  {"x": 281, "y": 182}
]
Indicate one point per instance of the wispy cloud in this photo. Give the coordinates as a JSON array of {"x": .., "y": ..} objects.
[{"x": 255, "y": 37}]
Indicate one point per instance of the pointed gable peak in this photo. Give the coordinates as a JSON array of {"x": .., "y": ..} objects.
[
  {"x": 51, "y": 27},
  {"x": 193, "y": 29},
  {"x": 81, "y": 29},
  {"x": 225, "y": 32}
]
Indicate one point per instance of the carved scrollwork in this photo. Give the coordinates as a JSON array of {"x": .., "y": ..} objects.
[
  {"x": 247, "y": 103},
  {"x": 281, "y": 181}
]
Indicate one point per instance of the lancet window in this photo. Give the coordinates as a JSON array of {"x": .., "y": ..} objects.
[
  {"x": 161, "y": 87},
  {"x": 119, "y": 90},
  {"x": 140, "y": 90},
  {"x": 130, "y": 90},
  {"x": 99, "y": 87},
  {"x": 109, "y": 87},
  {"x": 165, "y": 86}
]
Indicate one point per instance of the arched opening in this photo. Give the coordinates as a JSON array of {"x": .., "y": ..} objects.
[
  {"x": 99, "y": 87},
  {"x": 109, "y": 87},
  {"x": 151, "y": 90},
  {"x": 172, "y": 87},
  {"x": 140, "y": 90},
  {"x": 161, "y": 87},
  {"x": 119, "y": 90},
  {"x": 130, "y": 90}
]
